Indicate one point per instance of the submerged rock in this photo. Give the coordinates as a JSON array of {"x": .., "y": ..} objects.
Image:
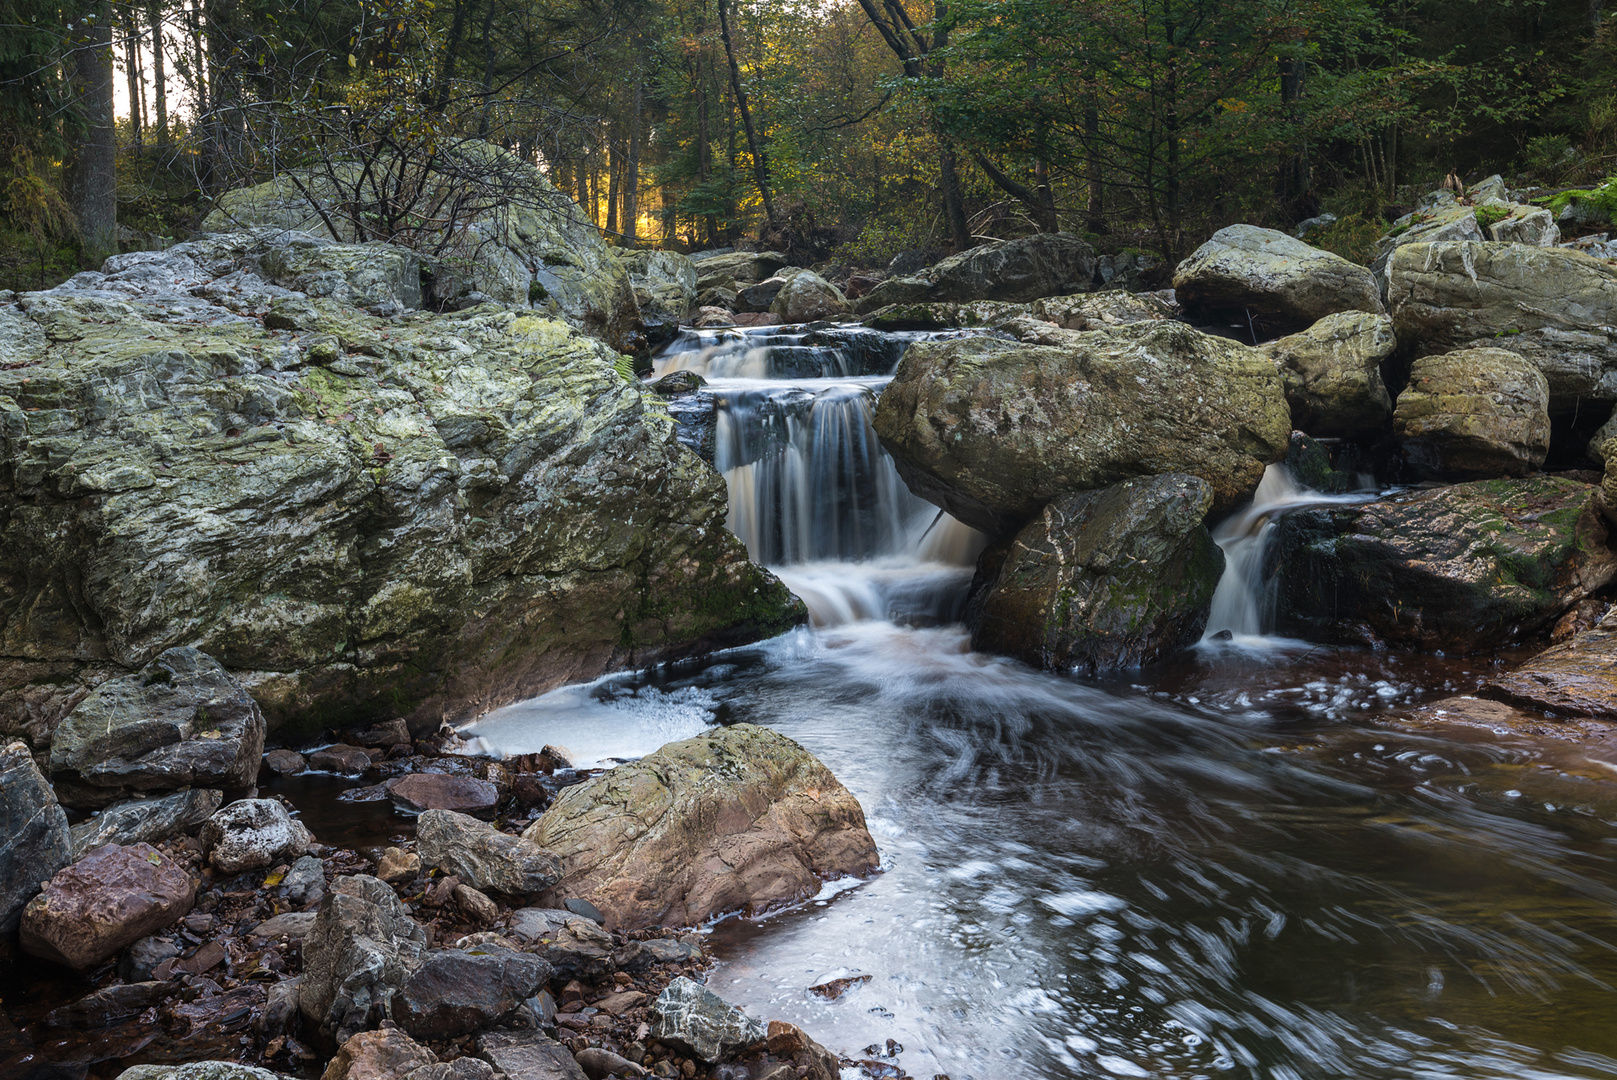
[
  {"x": 737, "y": 818},
  {"x": 421, "y": 517},
  {"x": 363, "y": 946},
  {"x": 34, "y": 839},
  {"x": 1555, "y": 307},
  {"x": 1474, "y": 414},
  {"x": 992, "y": 431},
  {"x": 180, "y": 721},
  {"x": 484, "y": 857},
  {"x": 1103, "y": 579},
  {"x": 1332, "y": 373},
  {"x": 1278, "y": 282},
  {"x": 146, "y": 820},
  {"x": 1463, "y": 568},
  {"x": 690, "y": 1016},
  {"x": 111, "y": 898}
]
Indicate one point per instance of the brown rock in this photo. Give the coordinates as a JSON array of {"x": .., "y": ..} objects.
[
  {"x": 599, "y": 1064},
  {"x": 478, "y": 909},
  {"x": 340, "y": 758},
  {"x": 385, "y": 1054},
  {"x": 383, "y": 736},
  {"x": 737, "y": 818},
  {"x": 397, "y": 865},
  {"x": 621, "y": 1002},
  {"x": 418, "y": 792},
  {"x": 111, "y": 898},
  {"x": 834, "y": 989},
  {"x": 1577, "y": 678},
  {"x": 285, "y": 762}
]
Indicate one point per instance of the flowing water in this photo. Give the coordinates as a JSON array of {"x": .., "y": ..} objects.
[{"x": 1216, "y": 868}]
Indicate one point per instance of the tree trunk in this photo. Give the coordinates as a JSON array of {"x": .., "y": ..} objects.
[
  {"x": 1291, "y": 185},
  {"x": 457, "y": 34},
  {"x": 132, "y": 36},
  {"x": 631, "y": 168},
  {"x": 1095, "y": 208},
  {"x": 92, "y": 181},
  {"x": 485, "y": 120},
  {"x": 954, "y": 209},
  {"x": 159, "y": 72},
  {"x": 760, "y": 163},
  {"x": 614, "y": 166}
]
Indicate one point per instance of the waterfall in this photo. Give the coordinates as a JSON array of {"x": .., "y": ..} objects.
[
  {"x": 1243, "y": 611},
  {"x": 813, "y": 495}
]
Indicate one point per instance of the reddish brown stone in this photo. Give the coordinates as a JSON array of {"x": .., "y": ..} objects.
[
  {"x": 111, "y": 898},
  {"x": 419, "y": 792}
]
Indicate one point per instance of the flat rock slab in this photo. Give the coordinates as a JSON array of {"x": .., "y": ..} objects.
[
  {"x": 419, "y": 792},
  {"x": 146, "y": 820},
  {"x": 737, "y": 818},
  {"x": 528, "y": 1056},
  {"x": 112, "y": 897},
  {"x": 1577, "y": 678}
]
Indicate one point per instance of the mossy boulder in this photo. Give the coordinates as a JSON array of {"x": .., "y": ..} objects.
[
  {"x": 1474, "y": 414},
  {"x": 1332, "y": 373},
  {"x": 360, "y": 518},
  {"x": 1464, "y": 568},
  {"x": 992, "y": 430},
  {"x": 1103, "y": 579}
]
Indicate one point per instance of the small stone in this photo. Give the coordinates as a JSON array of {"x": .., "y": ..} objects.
[
  {"x": 528, "y": 1056},
  {"x": 552, "y": 758},
  {"x": 383, "y": 736},
  {"x": 285, "y": 762},
  {"x": 397, "y": 865},
  {"x": 834, "y": 989},
  {"x": 141, "y": 959},
  {"x": 488, "y": 860},
  {"x": 305, "y": 883},
  {"x": 478, "y": 909},
  {"x": 293, "y": 925},
  {"x": 146, "y": 820}
]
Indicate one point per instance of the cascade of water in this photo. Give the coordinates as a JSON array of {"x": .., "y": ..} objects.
[
  {"x": 1244, "y": 603},
  {"x": 812, "y": 493}
]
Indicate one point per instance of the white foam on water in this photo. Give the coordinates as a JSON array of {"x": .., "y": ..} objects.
[{"x": 597, "y": 726}]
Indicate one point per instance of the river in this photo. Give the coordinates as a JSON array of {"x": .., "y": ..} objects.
[{"x": 1222, "y": 867}]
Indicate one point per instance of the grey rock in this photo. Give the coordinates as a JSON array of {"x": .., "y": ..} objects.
[
  {"x": 305, "y": 881},
  {"x": 1102, "y": 580},
  {"x": 110, "y": 1005},
  {"x": 1046, "y": 264},
  {"x": 34, "y": 839},
  {"x": 363, "y": 946},
  {"x": 1332, "y": 373},
  {"x": 637, "y": 956},
  {"x": 808, "y": 297},
  {"x": 181, "y": 721},
  {"x": 285, "y": 762},
  {"x": 1474, "y": 414},
  {"x": 483, "y": 857},
  {"x": 341, "y": 759},
  {"x": 458, "y": 991},
  {"x": 462, "y": 1068},
  {"x": 149, "y": 820},
  {"x": 280, "y": 1007},
  {"x": 253, "y": 833},
  {"x": 289, "y": 924},
  {"x": 140, "y": 960},
  {"x": 201, "y": 1070},
  {"x": 692, "y": 1017},
  {"x": 575, "y": 947},
  {"x": 528, "y": 1056},
  {"x": 665, "y": 282},
  {"x": 1279, "y": 282}
]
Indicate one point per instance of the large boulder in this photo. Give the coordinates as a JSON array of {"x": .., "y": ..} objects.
[
  {"x": 737, "y": 818},
  {"x": 112, "y": 897},
  {"x": 1474, "y": 414},
  {"x": 1439, "y": 218},
  {"x": 34, "y": 839},
  {"x": 1464, "y": 568},
  {"x": 483, "y": 857},
  {"x": 458, "y": 991},
  {"x": 179, "y": 721},
  {"x": 806, "y": 297},
  {"x": 1553, "y": 306},
  {"x": 253, "y": 833},
  {"x": 1277, "y": 282},
  {"x": 1332, "y": 373},
  {"x": 992, "y": 431},
  {"x": 146, "y": 820},
  {"x": 360, "y": 517},
  {"x": 1045, "y": 264},
  {"x": 515, "y": 238},
  {"x": 1102, "y": 579},
  {"x": 363, "y": 946}
]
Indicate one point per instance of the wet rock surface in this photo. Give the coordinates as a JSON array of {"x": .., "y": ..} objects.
[
  {"x": 635, "y": 841},
  {"x": 35, "y": 841},
  {"x": 110, "y": 898},
  {"x": 180, "y": 721},
  {"x": 146, "y": 820},
  {"x": 1101, "y": 580},
  {"x": 992, "y": 431},
  {"x": 419, "y": 792},
  {"x": 1462, "y": 568}
]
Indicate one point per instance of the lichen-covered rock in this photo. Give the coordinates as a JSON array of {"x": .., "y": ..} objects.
[
  {"x": 1045, "y": 264},
  {"x": 664, "y": 281},
  {"x": 740, "y": 267},
  {"x": 806, "y": 297},
  {"x": 253, "y": 833},
  {"x": 693, "y": 1018},
  {"x": 1526, "y": 225},
  {"x": 146, "y": 820},
  {"x": 992, "y": 431},
  {"x": 1332, "y": 373},
  {"x": 738, "y": 818},
  {"x": 1278, "y": 282},
  {"x": 1082, "y": 311},
  {"x": 1102, "y": 579},
  {"x": 201, "y": 1070},
  {"x": 359, "y": 517},
  {"x": 458, "y": 991},
  {"x": 34, "y": 839},
  {"x": 363, "y": 946},
  {"x": 179, "y": 721},
  {"x": 526, "y": 244},
  {"x": 112, "y": 897},
  {"x": 1555, "y": 307},
  {"x": 1439, "y": 218},
  {"x": 1463, "y": 568},
  {"x": 1474, "y": 414},
  {"x": 484, "y": 857}
]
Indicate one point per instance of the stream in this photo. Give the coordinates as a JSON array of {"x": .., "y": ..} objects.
[{"x": 1219, "y": 867}]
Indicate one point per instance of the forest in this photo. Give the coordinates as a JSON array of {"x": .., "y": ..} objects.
[{"x": 835, "y": 131}]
